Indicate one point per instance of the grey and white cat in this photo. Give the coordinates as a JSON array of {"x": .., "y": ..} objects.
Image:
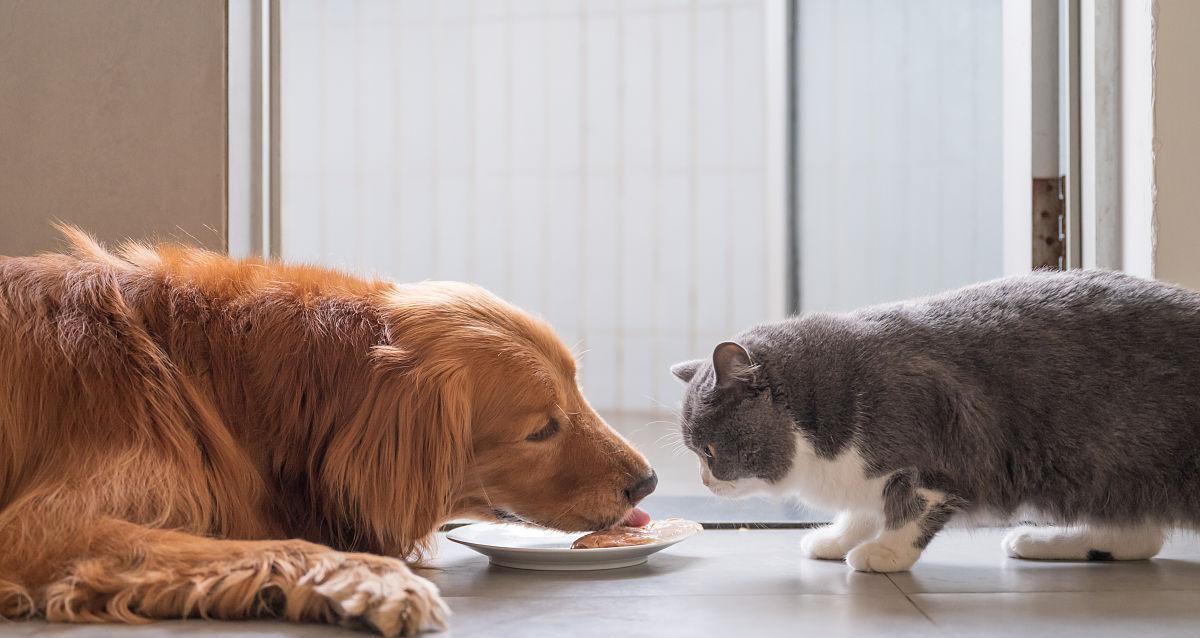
[{"x": 1065, "y": 398}]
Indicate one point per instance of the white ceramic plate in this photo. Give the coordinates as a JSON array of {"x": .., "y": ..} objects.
[{"x": 522, "y": 547}]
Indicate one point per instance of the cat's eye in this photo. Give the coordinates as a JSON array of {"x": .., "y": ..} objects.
[
  {"x": 547, "y": 431},
  {"x": 710, "y": 452}
]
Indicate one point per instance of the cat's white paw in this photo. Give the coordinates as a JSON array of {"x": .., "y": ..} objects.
[
  {"x": 1074, "y": 543},
  {"x": 874, "y": 556},
  {"x": 823, "y": 544},
  {"x": 1026, "y": 542}
]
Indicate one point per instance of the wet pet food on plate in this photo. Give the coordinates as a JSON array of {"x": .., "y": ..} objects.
[{"x": 625, "y": 536}]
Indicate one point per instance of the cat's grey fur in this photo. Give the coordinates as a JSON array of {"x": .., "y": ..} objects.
[{"x": 1075, "y": 395}]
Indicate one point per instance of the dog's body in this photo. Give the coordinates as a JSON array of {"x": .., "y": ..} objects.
[{"x": 168, "y": 416}]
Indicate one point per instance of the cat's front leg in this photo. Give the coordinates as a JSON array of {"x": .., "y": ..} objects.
[
  {"x": 833, "y": 541},
  {"x": 912, "y": 517}
]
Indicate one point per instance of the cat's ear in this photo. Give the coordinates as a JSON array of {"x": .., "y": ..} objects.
[
  {"x": 686, "y": 370},
  {"x": 732, "y": 364}
]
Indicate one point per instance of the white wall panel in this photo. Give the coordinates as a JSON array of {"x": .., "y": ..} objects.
[
  {"x": 599, "y": 162},
  {"x": 900, "y": 154}
]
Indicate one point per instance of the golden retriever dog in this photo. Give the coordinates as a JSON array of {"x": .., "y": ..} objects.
[{"x": 185, "y": 435}]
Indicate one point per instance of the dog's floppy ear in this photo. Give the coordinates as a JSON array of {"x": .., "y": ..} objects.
[
  {"x": 686, "y": 370},
  {"x": 398, "y": 465},
  {"x": 732, "y": 364}
]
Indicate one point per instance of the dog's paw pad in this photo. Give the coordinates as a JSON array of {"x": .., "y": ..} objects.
[{"x": 392, "y": 602}]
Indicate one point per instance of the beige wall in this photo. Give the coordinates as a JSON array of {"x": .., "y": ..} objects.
[
  {"x": 1177, "y": 141},
  {"x": 112, "y": 116}
]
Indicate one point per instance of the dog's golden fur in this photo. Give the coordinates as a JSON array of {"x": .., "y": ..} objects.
[{"x": 169, "y": 417}]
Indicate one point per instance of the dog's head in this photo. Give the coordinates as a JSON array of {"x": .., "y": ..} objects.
[
  {"x": 541, "y": 453},
  {"x": 492, "y": 423}
]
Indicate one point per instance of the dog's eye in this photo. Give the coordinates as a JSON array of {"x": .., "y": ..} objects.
[{"x": 547, "y": 431}]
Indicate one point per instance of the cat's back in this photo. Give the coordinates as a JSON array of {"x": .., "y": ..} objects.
[
  {"x": 1045, "y": 319},
  {"x": 1084, "y": 348},
  {"x": 1046, "y": 308}
]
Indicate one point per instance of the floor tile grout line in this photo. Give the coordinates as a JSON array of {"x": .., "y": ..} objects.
[
  {"x": 688, "y": 595},
  {"x": 1053, "y": 591},
  {"x": 865, "y": 594},
  {"x": 910, "y": 600}
]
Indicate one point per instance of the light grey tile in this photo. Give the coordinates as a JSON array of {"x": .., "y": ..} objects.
[
  {"x": 20, "y": 628},
  {"x": 177, "y": 629},
  {"x": 973, "y": 561},
  {"x": 800, "y": 615},
  {"x": 1065, "y": 614},
  {"x": 715, "y": 562}
]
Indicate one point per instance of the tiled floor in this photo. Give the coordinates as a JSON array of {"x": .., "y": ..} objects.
[{"x": 754, "y": 583}]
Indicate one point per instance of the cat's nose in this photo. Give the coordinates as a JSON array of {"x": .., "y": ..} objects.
[{"x": 642, "y": 488}]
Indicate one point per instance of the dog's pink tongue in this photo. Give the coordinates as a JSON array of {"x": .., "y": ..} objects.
[{"x": 637, "y": 517}]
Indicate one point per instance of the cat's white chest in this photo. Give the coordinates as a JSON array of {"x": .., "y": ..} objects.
[{"x": 837, "y": 484}]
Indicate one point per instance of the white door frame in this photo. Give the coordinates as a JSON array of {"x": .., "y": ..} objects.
[
  {"x": 252, "y": 86},
  {"x": 1062, "y": 81},
  {"x": 1017, "y": 123},
  {"x": 1099, "y": 140}
]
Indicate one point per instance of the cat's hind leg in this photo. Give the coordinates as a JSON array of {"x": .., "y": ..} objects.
[
  {"x": 1084, "y": 542},
  {"x": 912, "y": 517},
  {"x": 833, "y": 541}
]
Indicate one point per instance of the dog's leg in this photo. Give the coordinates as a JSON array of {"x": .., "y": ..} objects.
[
  {"x": 121, "y": 572},
  {"x": 1084, "y": 542}
]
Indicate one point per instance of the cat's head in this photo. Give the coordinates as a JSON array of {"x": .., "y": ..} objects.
[{"x": 745, "y": 440}]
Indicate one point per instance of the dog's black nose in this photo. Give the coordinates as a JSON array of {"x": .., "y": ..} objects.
[{"x": 642, "y": 488}]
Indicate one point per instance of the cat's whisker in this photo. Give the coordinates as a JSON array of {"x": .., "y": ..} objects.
[
  {"x": 680, "y": 451},
  {"x": 671, "y": 437},
  {"x": 658, "y": 402}
]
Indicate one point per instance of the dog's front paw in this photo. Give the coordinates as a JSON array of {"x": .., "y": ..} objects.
[
  {"x": 874, "y": 556},
  {"x": 823, "y": 544},
  {"x": 385, "y": 595}
]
